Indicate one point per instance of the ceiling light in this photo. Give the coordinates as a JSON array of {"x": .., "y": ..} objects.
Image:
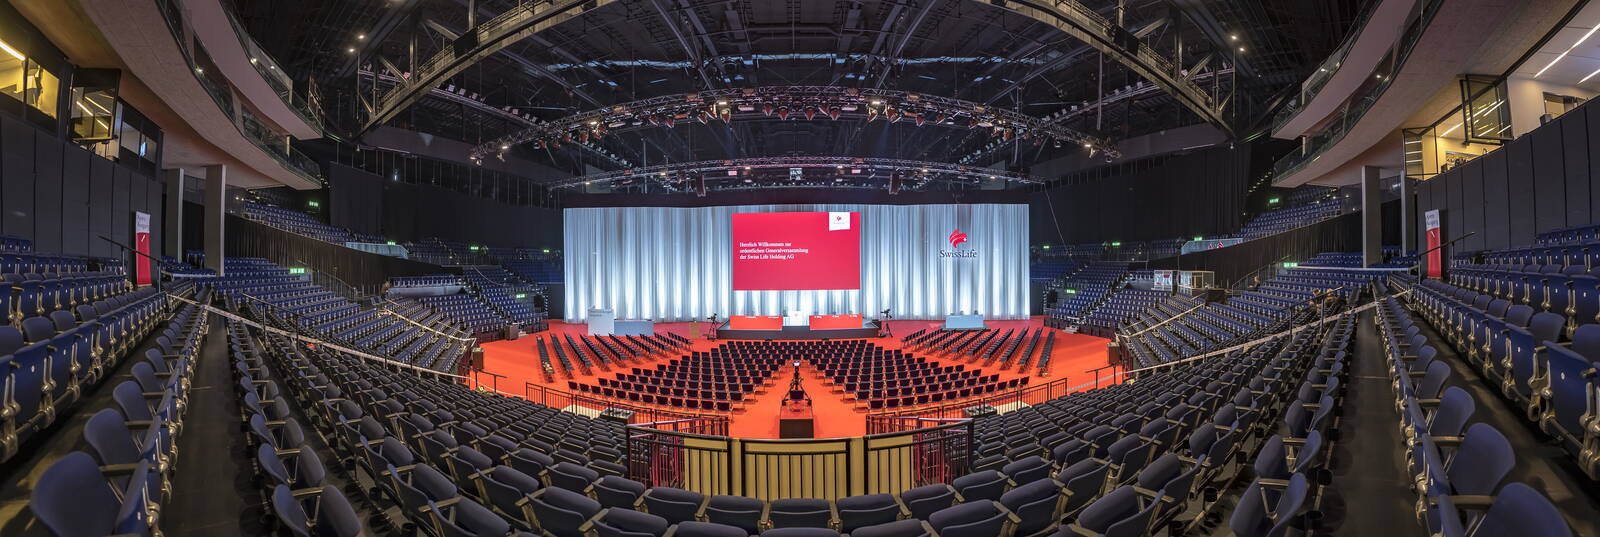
[
  {"x": 1591, "y": 75},
  {"x": 351, "y": 50},
  {"x": 252, "y": 61},
  {"x": 361, "y": 37},
  {"x": 13, "y": 52},
  {"x": 1234, "y": 37},
  {"x": 1452, "y": 129},
  {"x": 1241, "y": 49},
  {"x": 1563, "y": 53}
]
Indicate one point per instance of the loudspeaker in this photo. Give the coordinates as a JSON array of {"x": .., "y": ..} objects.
[
  {"x": 894, "y": 184},
  {"x": 700, "y": 186}
]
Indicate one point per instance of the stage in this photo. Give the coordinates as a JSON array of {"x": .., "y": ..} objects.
[
  {"x": 798, "y": 332},
  {"x": 1075, "y": 357}
]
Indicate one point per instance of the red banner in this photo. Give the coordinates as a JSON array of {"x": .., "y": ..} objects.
[
  {"x": 1435, "y": 253},
  {"x": 796, "y": 251},
  {"x": 834, "y": 322},
  {"x": 755, "y": 322},
  {"x": 141, "y": 243}
]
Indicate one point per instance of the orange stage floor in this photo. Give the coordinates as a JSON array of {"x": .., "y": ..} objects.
[{"x": 1073, "y": 356}]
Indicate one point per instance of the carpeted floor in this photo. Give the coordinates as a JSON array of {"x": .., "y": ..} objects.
[{"x": 1073, "y": 357}]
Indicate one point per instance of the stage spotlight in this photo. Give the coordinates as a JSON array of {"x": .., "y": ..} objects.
[
  {"x": 766, "y": 109},
  {"x": 833, "y": 113},
  {"x": 783, "y": 112},
  {"x": 920, "y": 120},
  {"x": 811, "y": 112}
]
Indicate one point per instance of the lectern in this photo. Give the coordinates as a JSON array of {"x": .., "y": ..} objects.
[{"x": 796, "y": 419}]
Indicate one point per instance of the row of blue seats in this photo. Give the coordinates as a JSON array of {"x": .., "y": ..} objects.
[
  {"x": 47, "y": 362},
  {"x": 1457, "y": 471},
  {"x": 1541, "y": 360},
  {"x": 1569, "y": 235},
  {"x": 122, "y": 487}
]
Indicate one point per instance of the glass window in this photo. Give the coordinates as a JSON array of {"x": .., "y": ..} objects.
[
  {"x": 11, "y": 69},
  {"x": 132, "y": 139},
  {"x": 92, "y": 114}
]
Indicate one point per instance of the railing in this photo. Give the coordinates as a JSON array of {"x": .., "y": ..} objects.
[
  {"x": 1359, "y": 102},
  {"x": 274, "y": 144},
  {"x": 681, "y": 422},
  {"x": 902, "y": 420},
  {"x": 1319, "y": 78},
  {"x": 273, "y": 74},
  {"x": 826, "y": 468}
]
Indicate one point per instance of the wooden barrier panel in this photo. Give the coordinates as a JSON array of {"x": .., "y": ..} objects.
[{"x": 829, "y": 468}]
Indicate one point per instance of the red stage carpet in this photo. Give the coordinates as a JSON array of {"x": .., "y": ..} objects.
[{"x": 1074, "y": 355}]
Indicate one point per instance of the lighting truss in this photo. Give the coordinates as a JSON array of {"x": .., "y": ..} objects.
[
  {"x": 784, "y": 171},
  {"x": 793, "y": 102}
]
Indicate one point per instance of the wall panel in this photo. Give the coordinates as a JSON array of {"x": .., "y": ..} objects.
[
  {"x": 1496, "y": 211},
  {"x": 155, "y": 198},
  {"x": 101, "y": 187},
  {"x": 1549, "y": 174},
  {"x": 1575, "y": 165},
  {"x": 47, "y": 193},
  {"x": 16, "y": 174},
  {"x": 1519, "y": 190},
  {"x": 1471, "y": 217},
  {"x": 120, "y": 217},
  {"x": 75, "y": 200}
]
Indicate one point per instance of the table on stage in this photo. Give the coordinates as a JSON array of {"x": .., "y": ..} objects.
[
  {"x": 832, "y": 322},
  {"x": 963, "y": 321},
  {"x": 755, "y": 322},
  {"x": 796, "y": 420}
]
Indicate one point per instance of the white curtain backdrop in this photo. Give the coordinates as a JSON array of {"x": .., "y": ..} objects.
[{"x": 675, "y": 264}]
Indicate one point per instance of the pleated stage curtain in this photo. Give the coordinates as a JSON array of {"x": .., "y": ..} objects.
[{"x": 675, "y": 264}]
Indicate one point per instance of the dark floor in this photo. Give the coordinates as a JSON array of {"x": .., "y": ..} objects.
[
  {"x": 1369, "y": 494},
  {"x": 1541, "y": 463},
  {"x": 211, "y": 456}
]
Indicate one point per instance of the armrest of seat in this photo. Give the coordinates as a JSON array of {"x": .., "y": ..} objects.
[
  {"x": 1080, "y": 530},
  {"x": 588, "y": 525},
  {"x": 441, "y": 504},
  {"x": 312, "y": 491},
  {"x": 1472, "y": 501}
]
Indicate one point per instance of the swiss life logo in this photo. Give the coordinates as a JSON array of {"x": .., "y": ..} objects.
[
  {"x": 838, "y": 221},
  {"x": 957, "y": 238}
]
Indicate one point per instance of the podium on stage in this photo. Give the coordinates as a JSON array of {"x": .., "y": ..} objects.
[
  {"x": 602, "y": 321},
  {"x": 796, "y": 419}
]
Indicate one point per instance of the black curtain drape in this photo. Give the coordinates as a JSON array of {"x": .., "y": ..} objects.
[
  {"x": 1338, "y": 234},
  {"x": 360, "y": 269}
]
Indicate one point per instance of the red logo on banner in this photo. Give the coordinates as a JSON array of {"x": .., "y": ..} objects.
[{"x": 957, "y": 237}]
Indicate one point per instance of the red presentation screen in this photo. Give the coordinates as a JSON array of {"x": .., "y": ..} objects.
[{"x": 796, "y": 251}]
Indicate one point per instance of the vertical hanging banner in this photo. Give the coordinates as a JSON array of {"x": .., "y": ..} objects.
[
  {"x": 141, "y": 244},
  {"x": 1435, "y": 253}
]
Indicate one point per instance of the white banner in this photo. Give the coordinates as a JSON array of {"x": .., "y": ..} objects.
[{"x": 920, "y": 261}]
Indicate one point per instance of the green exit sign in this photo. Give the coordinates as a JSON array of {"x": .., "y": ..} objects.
[
  {"x": 1071, "y": 291},
  {"x": 313, "y": 204},
  {"x": 473, "y": 248},
  {"x": 297, "y": 270},
  {"x": 1116, "y": 244},
  {"x": 522, "y": 295},
  {"x": 1273, "y": 200},
  {"x": 1290, "y": 264}
]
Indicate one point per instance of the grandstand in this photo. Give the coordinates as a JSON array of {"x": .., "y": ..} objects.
[{"x": 948, "y": 268}]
